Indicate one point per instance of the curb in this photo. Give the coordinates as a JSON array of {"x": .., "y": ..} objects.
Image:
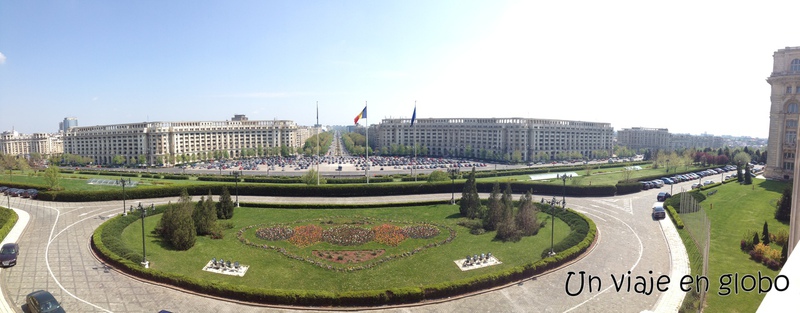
[{"x": 13, "y": 236}]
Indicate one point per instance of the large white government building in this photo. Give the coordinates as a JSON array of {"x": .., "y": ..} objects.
[
  {"x": 783, "y": 114},
  {"x": 469, "y": 136},
  {"x": 163, "y": 142},
  {"x": 16, "y": 144}
]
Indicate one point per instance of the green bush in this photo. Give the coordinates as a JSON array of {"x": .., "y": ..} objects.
[
  {"x": 676, "y": 218},
  {"x": 626, "y": 188},
  {"x": 7, "y": 220}
]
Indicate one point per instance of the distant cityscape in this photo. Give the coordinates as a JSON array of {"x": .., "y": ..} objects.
[{"x": 502, "y": 139}]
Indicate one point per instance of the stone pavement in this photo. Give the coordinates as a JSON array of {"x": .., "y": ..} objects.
[
  {"x": 13, "y": 236},
  {"x": 671, "y": 300}
]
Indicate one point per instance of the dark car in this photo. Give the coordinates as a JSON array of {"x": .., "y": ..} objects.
[
  {"x": 658, "y": 211},
  {"x": 8, "y": 254},
  {"x": 43, "y": 301},
  {"x": 662, "y": 196}
]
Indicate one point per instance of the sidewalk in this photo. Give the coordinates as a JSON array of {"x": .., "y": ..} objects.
[
  {"x": 672, "y": 299},
  {"x": 13, "y": 236}
]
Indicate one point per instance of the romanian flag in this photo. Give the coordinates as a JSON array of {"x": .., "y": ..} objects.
[
  {"x": 361, "y": 115},
  {"x": 414, "y": 116}
]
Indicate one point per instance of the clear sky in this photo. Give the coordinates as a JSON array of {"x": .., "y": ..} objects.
[{"x": 690, "y": 66}]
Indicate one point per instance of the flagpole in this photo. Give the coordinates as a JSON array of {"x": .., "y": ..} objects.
[
  {"x": 415, "y": 141},
  {"x": 366, "y": 149}
]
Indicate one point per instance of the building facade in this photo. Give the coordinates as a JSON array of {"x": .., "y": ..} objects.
[
  {"x": 784, "y": 113},
  {"x": 24, "y": 145},
  {"x": 476, "y": 137},
  {"x": 687, "y": 141},
  {"x": 643, "y": 138},
  {"x": 176, "y": 142}
]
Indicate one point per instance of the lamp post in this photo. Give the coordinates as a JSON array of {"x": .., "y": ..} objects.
[
  {"x": 143, "y": 210},
  {"x": 236, "y": 179},
  {"x": 124, "y": 197},
  {"x": 453, "y": 173}
]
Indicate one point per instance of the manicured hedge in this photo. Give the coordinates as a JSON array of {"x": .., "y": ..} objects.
[
  {"x": 219, "y": 178},
  {"x": 106, "y": 243},
  {"x": 346, "y": 190},
  {"x": 676, "y": 218},
  {"x": 275, "y": 180},
  {"x": 176, "y": 177},
  {"x": 7, "y": 220},
  {"x": 360, "y": 180},
  {"x": 340, "y": 206},
  {"x": 626, "y": 188}
]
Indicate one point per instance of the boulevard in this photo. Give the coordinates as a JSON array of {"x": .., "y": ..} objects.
[{"x": 55, "y": 256}]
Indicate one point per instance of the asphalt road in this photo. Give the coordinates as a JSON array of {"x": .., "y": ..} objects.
[{"x": 55, "y": 256}]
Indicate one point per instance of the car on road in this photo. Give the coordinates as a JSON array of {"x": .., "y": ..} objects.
[
  {"x": 708, "y": 182},
  {"x": 8, "y": 254},
  {"x": 662, "y": 196},
  {"x": 658, "y": 211},
  {"x": 43, "y": 301},
  {"x": 696, "y": 185}
]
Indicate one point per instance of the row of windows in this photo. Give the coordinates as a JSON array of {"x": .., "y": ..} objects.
[
  {"x": 789, "y": 90},
  {"x": 795, "y": 66}
]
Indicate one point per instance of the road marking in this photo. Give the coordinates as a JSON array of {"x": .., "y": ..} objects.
[
  {"x": 47, "y": 261},
  {"x": 641, "y": 251}
]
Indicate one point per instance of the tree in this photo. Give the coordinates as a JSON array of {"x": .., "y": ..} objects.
[
  {"x": 527, "y": 223},
  {"x": 141, "y": 159},
  {"x": 783, "y": 209},
  {"x": 118, "y": 160},
  {"x": 52, "y": 177},
  {"x": 225, "y": 205},
  {"x": 310, "y": 177},
  {"x": 438, "y": 175},
  {"x": 507, "y": 228},
  {"x": 765, "y": 234},
  {"x": 470, "y": 204},
  {"x": 22, "y": 165},
  {"x": 516, "y": 156},
  {"x": 741, "y": 159},
  {"x": 177, "y": 225},
  {"x": 494, "y": 209},
  {"x": 205, "y": 215},
  {"x": 755, "y": 239}
]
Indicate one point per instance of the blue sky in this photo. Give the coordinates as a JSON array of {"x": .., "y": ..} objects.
[{"x": 687, "y": 66}]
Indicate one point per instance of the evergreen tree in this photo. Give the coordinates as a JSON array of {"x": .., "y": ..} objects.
[
  {"x": 784, "y": 254},
  {"x": 527, "y": 223},
  {"x": 784, "y": 207},
  {"x": 494, "y": 209},
  {"x": 507, "y": 228},
  {"x": 205, "y": 216},
  {"x": 177, "y": 225},
  {"x": 225, "y": 205},
  {"x": 748, "y": 179},
  {"x": 470, "y": 205},
  {"x": 765, "y": 234},
  {"x": 755, "y": 239}
]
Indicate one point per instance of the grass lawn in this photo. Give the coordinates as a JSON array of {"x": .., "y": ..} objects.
[
  {"x": 604, "y": 176},
  {"x": 736, "y": 209},
  {"x": 272, "y": 270}
]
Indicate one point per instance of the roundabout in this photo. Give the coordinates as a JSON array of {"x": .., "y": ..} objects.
[{"x": 55, "y": 243}]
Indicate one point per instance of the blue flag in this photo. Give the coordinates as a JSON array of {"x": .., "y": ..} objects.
[{"x": 414, "y": 116}]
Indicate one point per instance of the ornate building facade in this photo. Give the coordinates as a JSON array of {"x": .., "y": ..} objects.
[{"x": 784, "y": 114}]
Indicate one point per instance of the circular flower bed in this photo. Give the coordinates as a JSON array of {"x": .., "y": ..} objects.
[{"x": 349, "y": 234}]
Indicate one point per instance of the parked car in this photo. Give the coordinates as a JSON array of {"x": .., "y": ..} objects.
[
  {"x": 43, "y": 301},
  {"x": 696, "y": 185},
  {"x": 708, "y": 182},
  {"x": 658, "y": 211},
  {"x": 663, "y": 196},
  {"x": 8, "y": 254}
]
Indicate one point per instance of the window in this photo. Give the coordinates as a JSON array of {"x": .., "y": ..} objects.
[
  {"x": 791, "y": 137},
  {"x": 788, "y": 89},
  {"x": 791, "y": 123},
  {"x": 792, "y": 108},
  {"x": 795, "y": 66}
]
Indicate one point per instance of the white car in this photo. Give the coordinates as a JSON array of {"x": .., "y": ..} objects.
[{"x": 708, "y": 182}]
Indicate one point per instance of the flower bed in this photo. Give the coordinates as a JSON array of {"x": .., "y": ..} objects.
[
  {"x": 306, "y": 235},
  {"x": 389, "y": 234},
  {"x": 275, "y": 233},
  {"x": 347, "y": 235}
]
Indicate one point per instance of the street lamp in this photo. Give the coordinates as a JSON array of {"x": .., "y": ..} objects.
[
  {"x": 124, "y": 197},
  {"x": 553, "y": 202},
  {"x": 453, "y": 173},
  {"x": 143, "y": 210},
  {"x": 236, "y": 179}
]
